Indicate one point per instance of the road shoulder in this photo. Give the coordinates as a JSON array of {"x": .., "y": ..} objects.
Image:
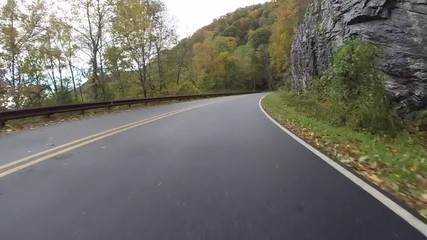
[{"x": 371, "y": 187}]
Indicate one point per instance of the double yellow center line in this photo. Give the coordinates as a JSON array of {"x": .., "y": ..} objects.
[{"x": 20, "y": 164}]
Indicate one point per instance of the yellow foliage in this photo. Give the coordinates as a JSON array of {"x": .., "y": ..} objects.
[
  {"x": 288, "y": 15},
  {"x": 208, "y": 62}
]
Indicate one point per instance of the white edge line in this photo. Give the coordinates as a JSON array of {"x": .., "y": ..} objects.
[{"x": 396, "y": 208}]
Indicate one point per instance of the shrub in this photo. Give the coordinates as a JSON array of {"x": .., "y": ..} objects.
[
  {"x": 351, "y": 92},
  {"x": 416, "y": 123},
  {"x": 356, "y": 83},
  {"x": 188, "y": 88}
]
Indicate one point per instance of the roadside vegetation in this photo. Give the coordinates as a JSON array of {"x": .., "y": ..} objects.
[
  {"x": 76, "y": 51},
  {"x": 93, "y": 50},
  {"x": 97, "y": 52},
  {"x": 347, "y": 115}
]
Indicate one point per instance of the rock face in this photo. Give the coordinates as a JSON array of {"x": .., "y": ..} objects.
[{"x": 398, "y": 26}]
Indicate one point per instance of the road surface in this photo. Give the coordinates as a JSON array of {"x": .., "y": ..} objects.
[{"x": 211, "y": 169}]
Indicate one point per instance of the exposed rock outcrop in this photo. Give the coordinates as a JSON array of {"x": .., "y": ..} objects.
[{"x": 398, "y": 26}]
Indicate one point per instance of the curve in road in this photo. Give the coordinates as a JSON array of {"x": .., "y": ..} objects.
[{"x": 220, "y": 171}]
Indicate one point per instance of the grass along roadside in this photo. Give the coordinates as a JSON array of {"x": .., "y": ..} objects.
[{"x": 397, "y": 165}]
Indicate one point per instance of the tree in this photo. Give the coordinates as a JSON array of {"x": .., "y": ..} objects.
[
  {"x": 19, "y": 27},
  {"x": 289, "y": 13},
  {"x": 250, "y": 67},
  {"x": 68, "y": 47},
  {"x": 259, "y": 37},
  {"x": 123, "y": 48},
  {"x": 92, "y": 32},
  {"x": 59, "y": 49},
  {"x": 264, "y": 55},
  {"x": 34, "y": 70},
  {"x": 164, "y": 36},
  {"x": 225, "y": 44},
  {"x": 209, "y": 66},
  {"x": 183, "y": 58},
  {"x": 116, "y": 64},
  {"x": 136, "y": 28}
]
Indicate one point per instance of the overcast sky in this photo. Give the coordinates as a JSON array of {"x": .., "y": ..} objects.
[{"x": 194, "y": 14}]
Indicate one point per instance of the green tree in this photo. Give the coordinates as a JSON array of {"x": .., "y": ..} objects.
[
  {"x": 209, "y": 66},
  {"x": 68, "y": 47},
  {"x": 289, "y": 14},
  {"x": 282, "y": 35},
  {"x": 19, "y": 26},
  {"x": 164, "y": 36},
  {"x": 259, "y": 37},
  {"x": 135, "y": 28},
  {"x": 117, "y": 64},
  {"x": 250, "y": 68},
  {"x": 93, "y": 17},
  {"x": 357, "y": 87},
  {"x": 34, "y": 71},
  {"x": 224, "y": 44}
]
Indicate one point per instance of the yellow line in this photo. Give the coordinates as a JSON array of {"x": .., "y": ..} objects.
[
  {"x": 75, "y": 142},
  {"x": 48, "y": 154}
]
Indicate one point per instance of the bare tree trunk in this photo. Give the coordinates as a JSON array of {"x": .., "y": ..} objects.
[
  {"x": 144, "y": 72},
  {"x": 178, "y": 77},
  {"x": 39, "y": 91},
  {"x": 144, "y": 84},
  {"x": 13, "y": 69},
  {"x": 101, "y": 61},
  {"x": 95, "y": 78},
  {"x": 160, "y": 69},
  {"x": 181, "y": 65},
  {"x": 122, "y": 87},
  {"x": 81, "y": 93},
  {"x": 61, "y": 79},
  {"x": 55, "y": 84},
  {"x": 13, "y": 57},
  {"x": 70, "y": 65},
  {"x": 94, "y": 42}
]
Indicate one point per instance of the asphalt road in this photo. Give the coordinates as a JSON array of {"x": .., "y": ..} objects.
[{"x": 219, "y": 171}]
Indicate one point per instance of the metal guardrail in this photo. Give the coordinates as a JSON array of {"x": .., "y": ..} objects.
[{"x": 47, "y": 111}]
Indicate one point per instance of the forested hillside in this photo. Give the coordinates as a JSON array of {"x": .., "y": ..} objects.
[
  {"x": 232, "y": 52},
  {"x": 93, "y": 50},
  {"x": 248, "y": 49}
]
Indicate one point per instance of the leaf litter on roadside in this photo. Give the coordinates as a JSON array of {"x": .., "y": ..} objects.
[{"x": 383, "y": 163}]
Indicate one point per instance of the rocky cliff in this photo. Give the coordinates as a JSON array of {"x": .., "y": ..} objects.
[{"x": 398, "y": 26}]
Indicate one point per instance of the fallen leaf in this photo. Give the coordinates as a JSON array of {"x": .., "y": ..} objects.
[
  {"x": 414, "y": 167},
  {"x": 346, "y": 161},
  {"x": 395, "y": 187},
  {"x": 421, "y": 180},
  {"x": 374, "y": 178}
]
